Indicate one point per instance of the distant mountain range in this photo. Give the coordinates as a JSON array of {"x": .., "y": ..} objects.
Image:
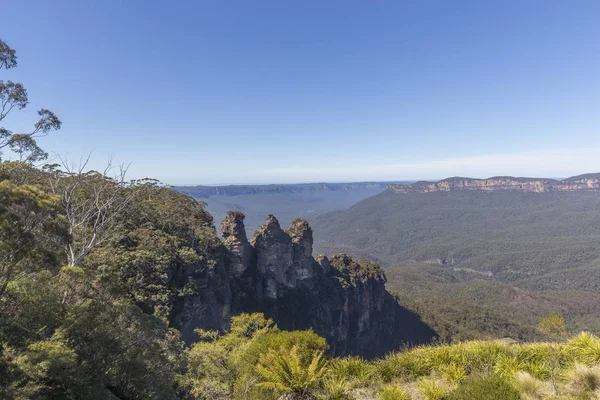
[
  {"x": 201, "y": 192},
  {"x": 507, "y": 228},
  {"x": 588, "y": 182},
  {"x": 286, "y": 201}
]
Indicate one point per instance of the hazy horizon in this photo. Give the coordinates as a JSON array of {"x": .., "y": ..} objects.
[{"x": 401, "y": 181}]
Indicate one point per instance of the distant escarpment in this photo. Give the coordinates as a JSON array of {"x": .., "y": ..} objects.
[
  {"x": 587, "y": 182},
  {"x": 287, "y": 201},
  {"x": 200, "y": 191},
  {"x": 340, "y": 299}
]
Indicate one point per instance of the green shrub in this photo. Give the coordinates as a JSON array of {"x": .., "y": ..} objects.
[
  {"x": 433, "y": 389},
  {"x": 585, "y": 348},
  {"x": 530, "y": 387},
  {"x": 352, "y": 369},
  {"x": 452, "y": 373},
  {"x": 490, "y": 387},
  {"x": 405, "y": 365},
  {"x": 334, "y": 388},
  {"x": 393, "y": 392},
  {"x": 287, "y": 374},
  {"x": 307, "y": 343}
]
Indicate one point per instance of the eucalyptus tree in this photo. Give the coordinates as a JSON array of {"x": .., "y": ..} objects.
[{"x": 13, "y": 96}]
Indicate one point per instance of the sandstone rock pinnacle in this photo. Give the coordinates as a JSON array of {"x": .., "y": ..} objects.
[{"x": 234, "y": 233}]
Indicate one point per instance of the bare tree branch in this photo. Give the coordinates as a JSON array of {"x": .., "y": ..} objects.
[{"x": 91, "y": 200}]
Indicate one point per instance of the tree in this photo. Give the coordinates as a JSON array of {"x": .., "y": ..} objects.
[
  {"x": 91, "y": 201},
  {"x": 31, "y": 230},
  {"x": 163, "y": 247},
  {"x": 49, "y": 369},
  {"x": 553, "y": 328},
  {"x": 13, "y": 95},
  {"x": 87, "y": 339}
]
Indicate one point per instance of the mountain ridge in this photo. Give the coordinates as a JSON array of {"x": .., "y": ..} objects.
[
  {"x": 287, "y": 201},
  {"x": 584, "y": 182},
  {"x": 205, "y": 191}
]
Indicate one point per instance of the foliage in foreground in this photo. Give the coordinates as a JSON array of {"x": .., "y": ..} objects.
[
  {"x": 285, "y": 372},
  {"x": 482, "y": 370},
  {"x": 268, "y": 364},
  {"x": 492, "y": 387},
  {"x": 254, "y": 359}
]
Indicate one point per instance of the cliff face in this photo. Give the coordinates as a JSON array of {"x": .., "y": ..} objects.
[
  {"x": 589, "y": 182},
  {"x": 340, "y": 299},
  {"x": 234, "y": 235}
]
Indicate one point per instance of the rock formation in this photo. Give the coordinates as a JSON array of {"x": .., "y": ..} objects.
[
  {"x": 343, "y": 300},
  {"x": 234, "y": 234},
  {"x": 588, "y": 182},
  {"x": 274, "y": 259}
]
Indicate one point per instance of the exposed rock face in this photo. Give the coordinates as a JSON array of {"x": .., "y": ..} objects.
[
  {"x": 588, "y": 182},
  {"x": 234, "y": 233},
  {"x": 302, "y": 245},
  {"x": 344, "y": 301},
  {"x": 209, "y": 310},
  {"x": 324, "y": 263},
  {"x": 274, "y": 259}
]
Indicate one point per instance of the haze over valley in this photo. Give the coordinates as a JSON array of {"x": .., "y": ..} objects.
[{"x": 287, "y": 201}]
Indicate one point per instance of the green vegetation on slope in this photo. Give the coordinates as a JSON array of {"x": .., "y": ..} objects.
[
  {"x": 257, "y": 361},
  {"x": 480, "y": 264},
  {"x": 508, "y": 235},
  {"x": 481, "y": 309}
]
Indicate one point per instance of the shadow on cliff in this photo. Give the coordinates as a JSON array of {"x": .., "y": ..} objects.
[
  {"x": 341, "y": 299},
  {"x": 352, "y": 324}
]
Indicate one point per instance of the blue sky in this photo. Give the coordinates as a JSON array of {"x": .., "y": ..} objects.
[{"x": 205, "y": 92}]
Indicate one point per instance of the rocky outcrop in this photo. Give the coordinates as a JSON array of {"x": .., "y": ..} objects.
[
  {"x": 274, "y": 259},
  {"x": 302, "y": 246},
  {"x": 588, "y": 182},
  {"x": 340, "y": 299},
  {"x": 324, "y": 263},
  {"x": 355, "y": 313},
  {"x": 234, "y": 235}
]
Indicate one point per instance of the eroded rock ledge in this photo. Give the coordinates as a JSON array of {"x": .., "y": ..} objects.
[{"x": 587, "y": 182}]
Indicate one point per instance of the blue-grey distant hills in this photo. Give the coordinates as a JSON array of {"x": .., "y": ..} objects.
[{"x": 286, "y": 201}]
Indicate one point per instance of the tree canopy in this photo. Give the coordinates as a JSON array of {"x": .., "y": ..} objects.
[{"x": 13, "y": 96}]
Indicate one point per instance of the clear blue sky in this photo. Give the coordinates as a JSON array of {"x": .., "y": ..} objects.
[{"x": 289, "y": 91}]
